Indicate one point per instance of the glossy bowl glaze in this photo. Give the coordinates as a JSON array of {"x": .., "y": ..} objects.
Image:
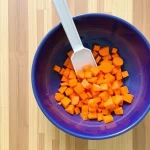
[{"x": 104, "y": 30}]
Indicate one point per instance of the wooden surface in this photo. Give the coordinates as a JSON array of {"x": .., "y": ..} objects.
[{"x": 23, "y": 23}]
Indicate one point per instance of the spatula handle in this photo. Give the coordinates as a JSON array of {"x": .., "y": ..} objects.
[{"x": 68, "y": 24}]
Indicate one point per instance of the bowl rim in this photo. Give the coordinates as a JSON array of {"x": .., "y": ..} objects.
[{"x": 38, "y": 99}]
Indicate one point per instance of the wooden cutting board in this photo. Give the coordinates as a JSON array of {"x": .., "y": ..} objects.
[{"x": 23, "y": 23}]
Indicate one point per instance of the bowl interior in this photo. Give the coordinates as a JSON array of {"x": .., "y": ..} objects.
[{"x": 103, "y": 30}]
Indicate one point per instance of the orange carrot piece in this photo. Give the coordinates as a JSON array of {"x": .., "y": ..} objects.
[
  {"x": 74, "y": 99},
  {"x": 65, "y": 102},
  {"x": 79, "y": 88},
  {"x": 95, "y": 71},
  {"x": 96, "y": 48},
  {"x": 84, "y": 108},
  {"x": 77, "y": 110},
  {"x": 94, "y": 53},
  {"x": 99, "y": 110},
  {"x": 110, "y": 91},
  {"x": 62, "y": 71},
  {"x": 88, "y": 75},
  {"x": 124, "y": 90},
  {"x": 73, "y": 82},
  {"x": 91, "y": 109},
  {"x": 117, "y": 91},
  {"x": 72, "y": 75},
  {"x": 79, "y": 104},
  {"x": 125, "y": 74},
  {"x": 70, "y": 66},
  {"x": 87, "y": 67},
  {"x": 85, "y": 101},
  {"x": 84, "y": 116},
  {"x": 117, "y": 99},
  {"x": 86, "y": 84},
  {"x": 128, "y": 98},
  {"x": 108, "y": 57},
  {"x": 106, "y": 67},
  {"x": 59, "y": 96},
  {"x": 104, "y": 87},
  {"x": 69, "y": 91},
  {"x": 92, "y": 80},
  {"x": 83, "y": 95},
  {"x": 64, "y": 79},
  {"x": 118, "y": 111},
  {"x": 107, "y": 119},
  {"x": 118, "y": 76},
  {"x": 80, "y": 74},
  {"x": 57, "y": 68},
  {"x": 104, "y": 51},
  {"x": 120, "y": 83},
  {"x": 92, "y": 103},
  {"x": 94, "y": 93},
  {"x": 99, "y": 116},
  {"x": 62, "y": 89},
  {"x": 105, "y": 112},
  {"x": 109, "y": 103},
  {"x": 98, "y": 58},
  {"x": 117, "y": 61},
  {"x": 66, "y": 72},
  {"x": 96, "y": 87},
  {"x": 115, "y": 55},
  {"x": 109, "y": 77},
  {"x": 89, "y": 95},
  {"x": 104, "y": 95},
  {"x": 64, "y": 84},
  {"x": 66, "y": 62},
  {"x": 92, "y": 115},
  {"x": 70, "y": 109},
  {"x": 70, "y": 53},
  {"x": 114, "y": 50},
  {"x": 115, "y": 85}
]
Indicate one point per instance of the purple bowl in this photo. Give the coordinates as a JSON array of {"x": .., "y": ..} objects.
[{"x": 104, "y": 30}]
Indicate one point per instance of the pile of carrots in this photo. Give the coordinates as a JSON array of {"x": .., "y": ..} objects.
[{"x": 95, "y": 92}]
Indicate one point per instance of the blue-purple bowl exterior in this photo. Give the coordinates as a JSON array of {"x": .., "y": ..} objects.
[{"x": 104, "y": 30}]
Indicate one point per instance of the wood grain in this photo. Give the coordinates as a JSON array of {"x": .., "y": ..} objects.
[{"x": 23, "y": 24}]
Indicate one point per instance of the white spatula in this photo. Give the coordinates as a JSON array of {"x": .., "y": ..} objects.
[{"x": 81, "y": 56}]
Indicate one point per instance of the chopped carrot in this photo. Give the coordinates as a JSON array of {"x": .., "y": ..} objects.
[
  {"x": 92, "y": 109},
  {"x": 95, "y": 53},
  {"x": 99, "y": 116},
  {"x": 84, "y": 108},
  {"x": 97, "y": 99},
  {"x": 66, "y": 72},
  {"x": 118, "y": 111},
  {"x": 65, "y": 79},
  {"x": 92, "y": 103},
  {"x": 89, "y": 95},
  {"x": 98, "y": 58},
  {"x": 118, "y": 76},
  {"x": 64, "y": 84},
  {"x": 92, "y": 115},
  {"x": 106, "y": 67},
  {"x": 65, "y": 102},
  {"x": 62, "y": 71},
  {"x": 66, "y": 62},
  {"x": 128, "y": 98},
  {"x": 108, "y": 57},
  {"x": 87, "y": 67},
  {"x": 74, "y": 99},
  {"x": 115, "y": 85},
  {"x": 104, "y": 95},
  {"x": 120, "y": 83},
  {"x": 79, "y": 104},
  {"x": 99, "y": 110},
  {"x": 124, "y": 90},
  {"x": 79, "y": 88},
  {"x": 80, "y": 74},
  {"x": 94, "y": 93},
  {"x": 62, "y": 89},
  {"x": 114, "y": 50},
  {"x": 84, "y": 116},
  {"x": 105, "y": 111},
  {"x": 96, "y": 87},
  {"x": 70, "y": 53},
  {"x": 88, "y": 75},
  {"x": 104, "y": 87},
  {"x": 69, "y": 91},
  {"x": 70, "y": 66},
  {"x": 86, "y": 84},
  {"x": 70, "y": 109},
  {"x": 59, "y": 96},
  {"x": 57, "y": 68},
  {"x": 108, "y": 118},
  {"x": 96, "y": 48},
  {"x": 95, "y": 71},
  {"x": 117, "y": 99},
  {"x": 85, "y": 101},
  {"x": 92, "y": 80},
  {"x": 83, "y": 95},
  {"x": 104, "y": 51},
  {"x": 72, "y": 75},
  {"x": 73, "y": 82},
  {"x": 125, "y": 74},
  {"x": 110, "y": 91},
  {"x": 117, "y": 91},
  {"x": 109, "y": 103},
  {"x": 115, "y": 55},
  {"x": 117, "y": 61},
  {"x": 109, "y": 77},
  {"x": 77, "y": 110}
]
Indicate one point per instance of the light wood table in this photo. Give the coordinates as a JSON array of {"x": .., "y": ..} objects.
[{"x": 23, "y": 23}]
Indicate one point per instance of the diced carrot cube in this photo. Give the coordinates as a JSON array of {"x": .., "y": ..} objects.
[
  {"x": 92, "y": 115},
  {"x": 73, "y": 82},
  {"x": 79, "y": 88},
  {"x": 79, "y": 104},
  {"x": 65, "y": 79},
  {"x": 86, "y": 84},
  {"x": 117, "y": 99},
  {"x": 92, "y": 80},
  {"x": 74, "y": 99},
  {"x": 115, "y": 85},
  {"x": 114, "y": 50},
  {"x": 80, "y": 74},
  {"x": 84, "y": 116},
  {"x": 77, "y": 110},
  {"x": 83, "y": 95},
  {"x": 69, "y": 91},
  {"x": 115, "y": 55},
  {"x": 128, "y": 98},
  {"x": 118, "y": 111},
  {"x": 109, "y": 103},
  {"x": 95, "y": 71},
  {"x": 109, "y": 77},
  {"x": 98, "y": 58},
  {"x": 57, "y": 68},
  {"x": 89, "y": 95},
  {"x": 118, "y": 76},
  {"x": 105, "y": 112},
  {"x": 84, "y": 108},
  {"x": 96, "y": 87},
  {"x": 124, "y": 90},
  {"x": 72, "y": 75},
  {"x": 104, "y": 95},
  {"x": 104, "y": 51},
  {"x": 62, "y": 89},
  {"x": 70, "y": 109},
  {"x": 64, "y": 84},
  {"x": 87, "y": 67},
  {"x": 65, "y": 102},
  {"x": 94, "y": 53},
  {"x": 88, "y": 75},
  {"x": 66, "y": 62},
  {"x": 125, "y": 74},
  {"x": 107, "y": 119},
  {"x": 59, "y": 96},
  {"x": 96, "y": 48},
  {"x": 62, "y": 71},
  {"x": 99, "y": 116},
  {"x": 70, "y": 53}
]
